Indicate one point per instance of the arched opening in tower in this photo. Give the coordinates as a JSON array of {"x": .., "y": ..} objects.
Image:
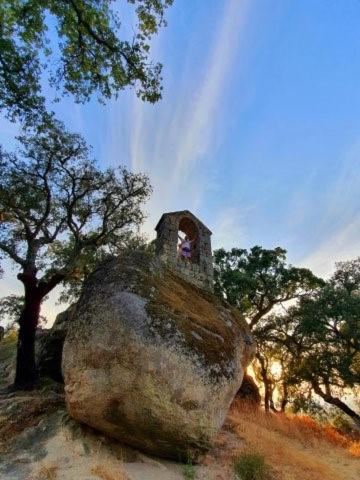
[{"x": 188, "y": 228}]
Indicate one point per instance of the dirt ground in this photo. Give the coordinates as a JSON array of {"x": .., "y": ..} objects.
[{"x": 38, "y": 441}]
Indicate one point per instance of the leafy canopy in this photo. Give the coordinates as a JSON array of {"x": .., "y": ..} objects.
[
  {"x": 87, "y": 56},
  {"x": 256, "y": 280},
  {"x": 319, "y": 339},
  {"x": 329, "y": 326},
  {"x": 11, "y": 307},
  {"x": 57, "y": 207}
]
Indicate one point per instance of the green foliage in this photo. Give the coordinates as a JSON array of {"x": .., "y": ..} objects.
[
  {"x": 341, "y": 422},
  {"x": 61, "y": 214},
  {"x": 8, "y": 345},
  {"x": 256, "y": 280},
  {"x": 189, "y": 471},
  {"x": 303, "y": 404},
  {"x": 320, "y": 341},
  {"x": 10, "y": 310},
  {"x": 7, "y": 354},
  {"x": 252, "y": 466},
  {"x": 88, "y": 54},
  {"x": 328, "y": 324}
]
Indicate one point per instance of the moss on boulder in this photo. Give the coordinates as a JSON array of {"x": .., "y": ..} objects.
[{"x": 152, "y": 360}]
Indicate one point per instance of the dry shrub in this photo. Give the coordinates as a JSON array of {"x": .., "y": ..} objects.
[
  {"x": 335, "y": 437},
  {"x": 296, "y": 448},
  {"x": 300, "y": 427},
  {"x": 107, "y": 473},
  {"x": 354, "y": 449},
  {"x": 310, "y": 428}
]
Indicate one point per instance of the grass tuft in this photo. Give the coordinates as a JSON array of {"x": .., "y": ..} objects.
[
  {"x": 251, "y": 466},
  {"x": 295, "y": 447},
  {"x": 189, "y": 471}
]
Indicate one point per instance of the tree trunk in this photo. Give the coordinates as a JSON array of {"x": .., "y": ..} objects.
[
  {"x": 271, "y": 401},
  {"x": 267, "y": 394},
  {"x": 337, "y": 403},
  {"x": 26, "y": 375},
  {"x": 285, "y": 398},
  {"x": 266, "y": 382},
  {"x": 284, "y": 402}
]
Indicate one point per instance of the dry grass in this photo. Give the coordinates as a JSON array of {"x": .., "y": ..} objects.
[
  {"x": 354, "y": 449},
  {"x": 296, "y": 448},
  {"x": 108, "y": 473},
  {"x": 48, "y": 472}
]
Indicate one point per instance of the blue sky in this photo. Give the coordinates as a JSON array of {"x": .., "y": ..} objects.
[{"x": 258, "y": 131}]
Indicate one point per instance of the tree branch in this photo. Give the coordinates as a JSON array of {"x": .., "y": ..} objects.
[
  {"x": 45, "y": 287},
  {"x": 12, "y": 254}
]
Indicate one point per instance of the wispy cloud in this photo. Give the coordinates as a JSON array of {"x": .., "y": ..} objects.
[
  {"x": 201, "y": 118},
  {"x": 343, "y": 245},
  {"x": 136, "y": 140},
  {"x": 230, "y": 226},
  {"x": 171, "y": 141}
]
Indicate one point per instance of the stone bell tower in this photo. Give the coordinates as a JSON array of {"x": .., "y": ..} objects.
[{"x": 199, "y": 270}]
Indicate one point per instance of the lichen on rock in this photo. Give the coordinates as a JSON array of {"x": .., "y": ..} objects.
[{"x": 152, "y": 360}]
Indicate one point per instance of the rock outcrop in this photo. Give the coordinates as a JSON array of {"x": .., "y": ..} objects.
[
  {"x": 249, "y": 391},
  {"x": 49, "y": 346},
  {"x": 151, "y": 360}
]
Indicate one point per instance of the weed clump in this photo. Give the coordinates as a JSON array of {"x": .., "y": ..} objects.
[
  {"x": 189, "y": 471},
  {"x": 251, "y": 466}
]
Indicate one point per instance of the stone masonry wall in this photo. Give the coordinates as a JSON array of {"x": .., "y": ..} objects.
[
  {"x": 199, "y": 272},
  {"x": 192, "y": 273}
]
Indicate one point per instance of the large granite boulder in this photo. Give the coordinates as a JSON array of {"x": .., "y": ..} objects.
[
  {"x": 49, "y": 346},
  {"x": 151, "y": 360}
]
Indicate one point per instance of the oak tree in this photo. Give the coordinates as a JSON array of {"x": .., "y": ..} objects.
[
  {"x": 328, "y": 327},
  {"x": 79, "y": 47},
  {"x": 56, "y": 208},
  {"x": 320, "y": 341},
  {"x": 256, "y": 280}
]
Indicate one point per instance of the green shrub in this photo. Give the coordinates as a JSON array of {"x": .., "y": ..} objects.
[
  {"x": 251, "y": 466},
  {"x": 189, "y": 471}
]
